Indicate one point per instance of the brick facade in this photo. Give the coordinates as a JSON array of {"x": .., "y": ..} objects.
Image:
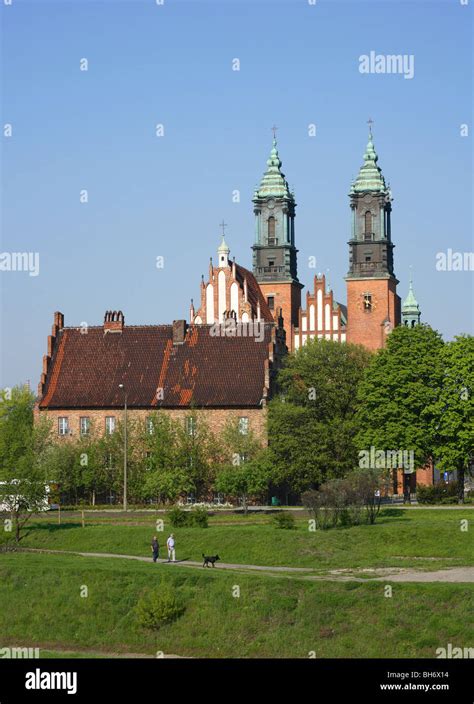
[
  {"x": 215, "y": 418},
  {"x": 287, "y": 298},
  {"x": 423, "y": 476},
  {"x": 370, "y": 326},
  {"x": 323, "y": 317}
]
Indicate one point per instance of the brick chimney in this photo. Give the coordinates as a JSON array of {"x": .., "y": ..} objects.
[
  {"x": 114, "y": 321},
  {"x": 179, "y": 331},
  {"x": 58, "y": 323}
]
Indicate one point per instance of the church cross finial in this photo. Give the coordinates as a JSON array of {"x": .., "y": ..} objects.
[
  {"x": 370, "y": 122},
  {"x": 223, "y": 225},
  {"x": 274, "y": 130}
]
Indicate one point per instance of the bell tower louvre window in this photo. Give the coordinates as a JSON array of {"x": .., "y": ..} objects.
[
  {"x": 271, "y": 231},
  {"x": 368, "y": 234}
]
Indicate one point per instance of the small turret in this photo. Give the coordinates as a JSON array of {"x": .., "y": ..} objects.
[
  {"x": 411, "y": 313},
  {"x": 223, "y": 252}
]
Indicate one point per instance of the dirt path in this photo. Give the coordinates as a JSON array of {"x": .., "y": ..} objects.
[
  {"x": 392, "y": 574},
  {"x": 101, "y": 654}
]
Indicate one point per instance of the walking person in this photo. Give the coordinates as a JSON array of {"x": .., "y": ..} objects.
[
  {"x": 171, "y": 550},
  {"x": 155, "y": 548}
]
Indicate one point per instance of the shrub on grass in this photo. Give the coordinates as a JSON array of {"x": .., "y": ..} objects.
[
  {"x": 157, "y": 608},
  {"x": 177, "y": 517},
  {"x": 284, "y": 520},
  {"x": 439, "y": 493},
  {"x": 198, "y": 517},
  {"x": 345, "y": 518},
  {"x": 341, "y": 502}
]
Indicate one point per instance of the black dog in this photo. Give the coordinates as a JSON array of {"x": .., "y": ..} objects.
[{"x": 210, "y": 560}]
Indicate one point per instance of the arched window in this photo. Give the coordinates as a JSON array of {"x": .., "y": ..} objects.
[
  {"x": 271, "y": 229},
  {"x": 368, "y": 223}
]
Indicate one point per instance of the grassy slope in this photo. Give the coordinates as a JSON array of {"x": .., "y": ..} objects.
[
  {"x": 397, "y": 534},
  {"x": 273, "y": 617}
]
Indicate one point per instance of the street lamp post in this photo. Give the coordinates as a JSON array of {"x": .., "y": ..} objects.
[{"x": 121, "y": 386}]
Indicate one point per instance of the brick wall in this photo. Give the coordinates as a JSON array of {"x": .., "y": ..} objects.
[
  {"x": 423, "y": 477},
  {"x": 367, "y": 328},
  {"x": 216, "y": 418},
  {"x": 288, "y": 298}
]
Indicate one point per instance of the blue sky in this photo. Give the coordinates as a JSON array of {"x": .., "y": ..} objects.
[{"x": 152, "y": 196}]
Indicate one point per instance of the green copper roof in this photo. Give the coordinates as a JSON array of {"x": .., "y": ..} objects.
[
  {"x": 370, "y": 176},
  {"x": 273, "y": 182},
  {"x": 410, "y": 304}
]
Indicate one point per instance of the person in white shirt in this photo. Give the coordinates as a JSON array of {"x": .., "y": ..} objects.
[{"x": 171, "y": 550}]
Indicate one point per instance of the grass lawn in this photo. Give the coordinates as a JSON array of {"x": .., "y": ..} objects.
[
  {"x": 397, "y": 539},
  {"x": 273, "y": 617}
]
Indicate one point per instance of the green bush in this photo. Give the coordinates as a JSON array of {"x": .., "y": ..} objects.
[
  {"x": 351, "y": 516},
  {"x": 284, "y": 520},
  {"x": 345, "y": 518},
  {"x": 450, "y": 500},
  {"x": 157, "y": 608},
  {"x": 440, "y": 493},
  {"x": 198, "y": 517},
  {"x": 177, "y": 517}
]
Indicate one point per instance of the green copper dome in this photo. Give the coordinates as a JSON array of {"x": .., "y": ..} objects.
[
  {"x": 273, "y": 182},
  {"x": 370, "y": 176}
]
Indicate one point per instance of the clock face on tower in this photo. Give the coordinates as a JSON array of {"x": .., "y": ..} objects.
[
  {"x": 367, "y": 302},
  {"x": 271, "y": 204}
]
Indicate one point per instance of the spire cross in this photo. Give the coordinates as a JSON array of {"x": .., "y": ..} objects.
[
  {"x": 223, "y": 225},
  {"x": 370, "y": 122},
  {"x": 274, "y": 129}
]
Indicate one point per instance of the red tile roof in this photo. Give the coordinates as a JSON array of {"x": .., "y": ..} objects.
[
  {"x": 254, "y": 292},
  {"x": 86, "y": 369}
]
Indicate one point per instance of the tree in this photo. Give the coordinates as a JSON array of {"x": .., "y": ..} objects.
[
  {"x": 452, "y": 412},
  {"x": 311, "y": 424},
  {"x": 368, "y": 486},
  {"x": 163, "y": 478},
  {"x": 24, "y": 449},
  {"x": 402, "y": 381},
  {"x": 243, "y": 470},
  {"x": 77, "y": 466},
  {"x": 196, "y": 453}
]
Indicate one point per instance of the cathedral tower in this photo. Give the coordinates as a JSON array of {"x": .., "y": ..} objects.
[
  {"x": 274, "y": 251},
  {"x": 373, "y": 306}
]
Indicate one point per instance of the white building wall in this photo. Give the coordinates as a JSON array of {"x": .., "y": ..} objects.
[
  {"x": 222, "y": 306},
  {"x": 234, "y": 299},
  {"x": 210, "y": 304},
  {"x": 320, "y": 309},
  {"x": 312, "y": 325},
  {"x": 327, "y": 316}
]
